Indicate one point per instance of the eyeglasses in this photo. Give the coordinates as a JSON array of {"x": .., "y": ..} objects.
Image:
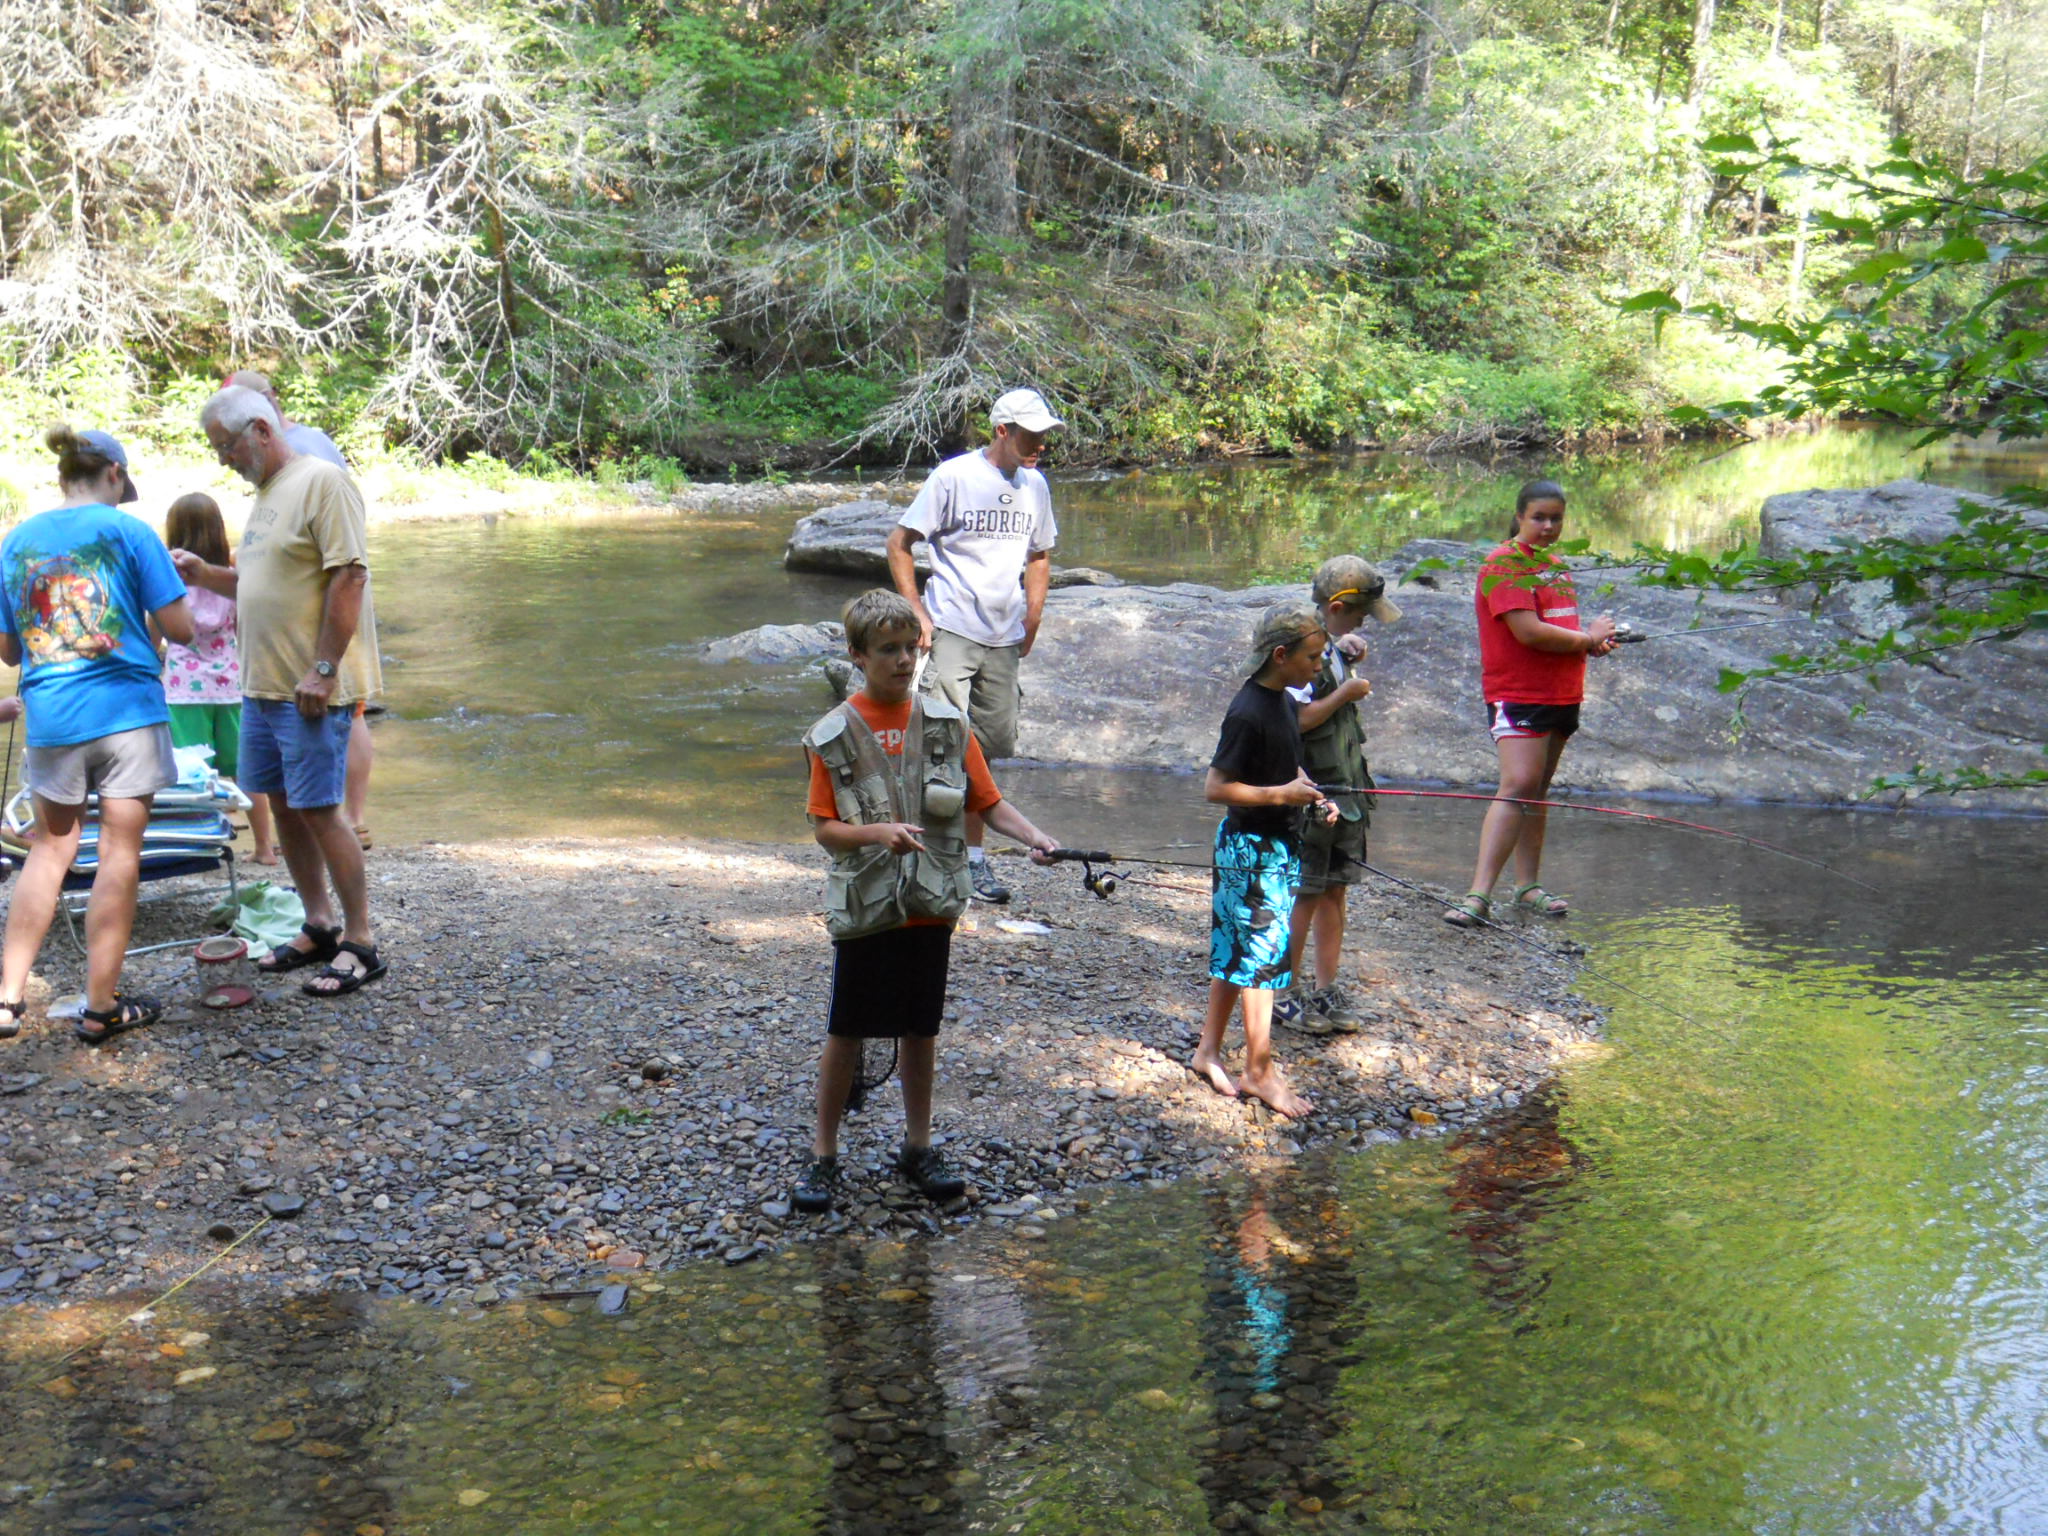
[{"x": 221, "y": 453}]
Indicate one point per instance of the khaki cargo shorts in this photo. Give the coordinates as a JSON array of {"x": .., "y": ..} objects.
[
  {"x": 982, "y": 680},
  {"x": 1332, "y": 854}
]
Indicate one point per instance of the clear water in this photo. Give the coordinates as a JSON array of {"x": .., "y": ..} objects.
[
  {"x": 1773, "y": 1261},
  {"x": 544, "y": 675}
]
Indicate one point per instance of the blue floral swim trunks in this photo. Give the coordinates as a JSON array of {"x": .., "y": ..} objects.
[{"x": 1253, "y": 881}]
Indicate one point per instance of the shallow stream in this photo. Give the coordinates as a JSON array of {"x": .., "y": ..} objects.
[{"x": 1773, "y": 1260}]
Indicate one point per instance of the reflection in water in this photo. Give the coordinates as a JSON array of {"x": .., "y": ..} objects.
[
  {"x": 1506, "y": 1177},
  {"x": 1279, "y": 1320},
  {"x": 517, "y": 709},
  {"x": 892, "y": 1468},
  {"x": 1779, "y": 1272},
  {"x": 262, "y": 1419}
]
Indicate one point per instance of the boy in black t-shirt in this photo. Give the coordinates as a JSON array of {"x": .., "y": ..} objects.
[{"x": 1257, "y": 772}]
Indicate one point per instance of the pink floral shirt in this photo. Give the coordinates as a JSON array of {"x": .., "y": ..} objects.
[{"x": 208, "y": 671}]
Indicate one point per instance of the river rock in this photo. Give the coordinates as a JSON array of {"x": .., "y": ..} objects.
[
  {"x": 1139, "y": 677},
  {"x": 849, "y": 540},
  {"x": 773, "y": 643},
  {"x": 853, "y": 540},
  {"x": 1800, "y": 522}
]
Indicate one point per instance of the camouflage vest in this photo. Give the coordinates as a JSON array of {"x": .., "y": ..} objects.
[
  {"x": 1334, "y": 752},
  {"x": 870, "y": 889}
]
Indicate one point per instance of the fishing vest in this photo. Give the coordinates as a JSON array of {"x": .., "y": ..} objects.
[
  {"x": 870, "y": 889},
  {"x": 1334, "y": 752}
]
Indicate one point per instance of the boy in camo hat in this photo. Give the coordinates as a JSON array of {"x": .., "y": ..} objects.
[{"x": 1346, "y": 590}]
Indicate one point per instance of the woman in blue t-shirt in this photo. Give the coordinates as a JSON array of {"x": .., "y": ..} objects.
[{"x": 82, "y": 582}]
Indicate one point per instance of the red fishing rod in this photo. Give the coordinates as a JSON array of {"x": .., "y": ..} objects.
[{"x": 1604, "y": 810}]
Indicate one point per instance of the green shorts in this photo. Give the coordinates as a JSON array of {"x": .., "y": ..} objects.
[
  {"x": 1332, "y": 854},
  {"x": 218, "y": 726},
  {"x": 982, "y": 681}
]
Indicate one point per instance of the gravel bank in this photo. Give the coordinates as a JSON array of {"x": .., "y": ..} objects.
[{"x": 592, "y": 1057}]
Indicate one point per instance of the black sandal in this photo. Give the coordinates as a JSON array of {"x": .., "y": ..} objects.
[
  {"x": 126, "y": 1014},
  {"x": 347, "y": 981},
  {"x": 289, "y": 957},
  {"x": 11, "y": 1025}
]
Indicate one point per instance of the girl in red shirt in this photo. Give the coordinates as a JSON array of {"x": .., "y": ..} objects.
[{"x": 1532, "y": 659}]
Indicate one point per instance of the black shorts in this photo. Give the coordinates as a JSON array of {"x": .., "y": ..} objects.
[
  {"x": 889, "y": 985},
  {"x": 1506, "y": 720}
]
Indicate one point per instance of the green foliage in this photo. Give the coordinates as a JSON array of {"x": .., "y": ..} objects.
[
  {"x": 1942, "y": 323},
  {"x": 1945, "y": 321}
]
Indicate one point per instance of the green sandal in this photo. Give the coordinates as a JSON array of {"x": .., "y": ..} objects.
[
  {"x": 1474, "y": 910},
  {"x": 1541, "y": 901}
]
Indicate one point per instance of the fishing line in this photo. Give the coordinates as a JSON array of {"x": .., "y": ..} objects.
[
  {"x": 1090, "y": 857},
  {"x": 94, "y": 1343},
  {"x": 1623, "y": 635},
  {"x": 1608, "y": 810}
]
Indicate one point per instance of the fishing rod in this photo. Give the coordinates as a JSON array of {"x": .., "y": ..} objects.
[
  {"x": 1103, "y": 885},
  {"x": 1623, "y": 635},
  {"x": 1604, "y": 810}
]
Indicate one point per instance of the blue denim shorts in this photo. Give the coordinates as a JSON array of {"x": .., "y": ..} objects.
[
  {"x": 1253, "y": 883},
  {"x": 284, "y": 753}
]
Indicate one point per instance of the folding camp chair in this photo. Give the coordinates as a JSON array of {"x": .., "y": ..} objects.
[{"x": 188, "y": 834}]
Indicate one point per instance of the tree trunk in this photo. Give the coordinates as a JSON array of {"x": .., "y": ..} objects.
[
  {"x": 1820, "y": 22},
  {"x": 494, "y": 227},
  {"x": 1613, "y": 20},
  {"x": 1422, "y": 58},
  {"x": 1976, "y": 91},
  {"x": 1702, "y": 50},
  {"x": 377, "y": 127},
  {"x": 1694, "y": 186},
  {"x": 956, "y": 296},
  {"x": 1778, "y": 29}
]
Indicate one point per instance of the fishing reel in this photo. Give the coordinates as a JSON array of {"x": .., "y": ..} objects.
[
  {"x": 1099, "y": 883},
  {"x": 1623, "y": 635}
]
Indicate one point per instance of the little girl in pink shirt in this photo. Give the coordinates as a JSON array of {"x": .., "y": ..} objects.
[{"x": 203, "y": 680}]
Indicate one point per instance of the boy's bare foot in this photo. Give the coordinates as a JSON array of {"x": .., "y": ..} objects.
[
  {"x": 1206, "y": 1064},
  {"x": 1273, "y": 1092}
]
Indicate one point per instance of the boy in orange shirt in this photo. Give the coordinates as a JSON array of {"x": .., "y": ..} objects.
[{"x": 893, "y": 778}]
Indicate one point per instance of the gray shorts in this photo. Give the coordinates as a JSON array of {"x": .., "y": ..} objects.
[
  {"x": 1332, "y": 854},
  {"x": 124, "y": 766},
  {"x": 982, "y": 680}
]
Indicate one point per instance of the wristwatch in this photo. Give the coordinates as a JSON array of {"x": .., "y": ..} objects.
[{"x": 323, "y": 669}]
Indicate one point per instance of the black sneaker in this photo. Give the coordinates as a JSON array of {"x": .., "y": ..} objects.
[
  {"x": 924, "y": 1169},
  {"x": 986, "y": 886},
  {"x": 814, "y": 1192}
]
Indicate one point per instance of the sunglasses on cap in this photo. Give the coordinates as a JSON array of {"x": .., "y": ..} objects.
[{"x": 1365, "y": 596}]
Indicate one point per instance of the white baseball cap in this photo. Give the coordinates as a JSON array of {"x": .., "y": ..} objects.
[{"x": 1025, "y": 408}]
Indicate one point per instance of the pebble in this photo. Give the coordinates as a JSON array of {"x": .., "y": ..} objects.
[{"x": 442, "y": 1168}]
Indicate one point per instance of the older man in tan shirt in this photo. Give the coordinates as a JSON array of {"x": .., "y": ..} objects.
[{"x": 309, "y": 652}]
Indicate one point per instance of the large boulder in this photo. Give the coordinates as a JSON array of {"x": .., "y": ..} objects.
[
  {"x": 776, "y": 643},
  {"x": 852, "y": 540},
  {"x": 849, "y": 540},
  {"x": 1798, "y": 521},
  {"x": 1138, "y": 677}
]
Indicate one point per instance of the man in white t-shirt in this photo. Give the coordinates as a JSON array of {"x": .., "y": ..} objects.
[{"x": 987, "y": 518}]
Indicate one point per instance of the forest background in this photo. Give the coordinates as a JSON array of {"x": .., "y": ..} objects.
[{"x": 635, "y": 239}]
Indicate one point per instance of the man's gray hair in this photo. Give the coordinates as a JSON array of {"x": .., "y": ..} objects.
[{"x": 234, "y": 408}]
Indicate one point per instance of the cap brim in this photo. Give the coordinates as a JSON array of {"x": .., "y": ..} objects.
[
  {"x": 1032, "y": 423},
  {"x": 1383, "y": 609},
  {"x": 130, "y": 494}
]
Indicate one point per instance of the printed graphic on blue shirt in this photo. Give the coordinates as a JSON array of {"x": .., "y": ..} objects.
[{"x": 80, "y": 584}]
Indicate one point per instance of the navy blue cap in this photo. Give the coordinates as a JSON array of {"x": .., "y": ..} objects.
[{"x": 108, "y": 447}]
